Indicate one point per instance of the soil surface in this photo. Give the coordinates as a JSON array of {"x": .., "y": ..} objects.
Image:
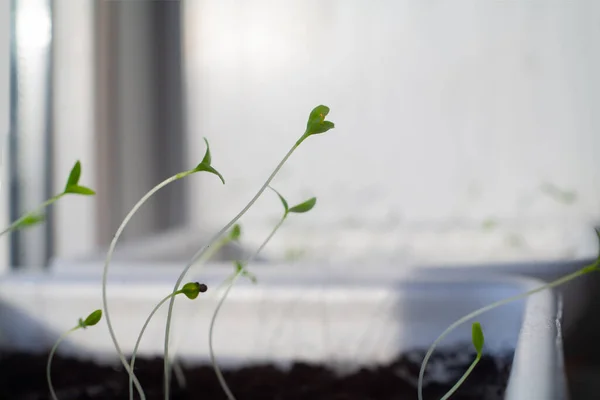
[{"x": 23, "y": 377}]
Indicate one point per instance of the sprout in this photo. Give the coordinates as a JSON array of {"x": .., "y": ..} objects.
[
  {"x": 35, "y": 217},
  {"x": 240, "y": 270},
  {"x": 73, "y": 186},
  {"x": 316, "y": 123},
  {"x": 477, "y": 337},
  {"x": 192, "y": 289},
  {"x": 301, "y": 208},
  {"x": 205, "y": 164},
  {"x": 305, "y": 206},
  {"x": 477, "y": 332},
  {"x": 478, "y": 341},
  {"x": 236, "y": 232},
  {"x": 91, "y": 320}
]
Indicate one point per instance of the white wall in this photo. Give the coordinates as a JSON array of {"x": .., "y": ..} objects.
[{"x": 454, "y": 121}]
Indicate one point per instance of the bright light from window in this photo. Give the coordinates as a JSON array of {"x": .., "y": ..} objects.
[{"x": 34, "y": 27}]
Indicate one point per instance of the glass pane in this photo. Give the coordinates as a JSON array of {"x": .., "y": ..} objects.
[{"x": 457, "y": 140}]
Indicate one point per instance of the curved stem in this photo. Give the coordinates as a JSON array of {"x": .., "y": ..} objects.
[
  {"x": 206, "y": 256},
  {"x": 213, "y": 359},
  {"x": 482, "y": 310},
  {"x": 139, "y": 340},
  {"x": 199, "y": 253},
  {"x": 111, "y": 250},
  {"x": 463, "y": 378},
  {"x": 51, "y": 356}
]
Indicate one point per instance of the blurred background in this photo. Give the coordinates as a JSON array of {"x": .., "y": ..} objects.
[{"x": 466, "y": 132}]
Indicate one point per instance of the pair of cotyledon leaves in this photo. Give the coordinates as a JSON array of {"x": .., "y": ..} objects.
[
  {"x": 300, "y": 208},
  {"x": 72, "y": 187}
]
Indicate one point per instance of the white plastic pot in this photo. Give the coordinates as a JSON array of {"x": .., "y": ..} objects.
[{"x": 309, "y": 315}]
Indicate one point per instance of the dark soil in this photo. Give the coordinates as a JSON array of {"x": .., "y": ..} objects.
[{"x": 23, "y": 377}]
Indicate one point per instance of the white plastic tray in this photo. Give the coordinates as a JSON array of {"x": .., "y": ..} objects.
[{"x": 309, "y": 315}]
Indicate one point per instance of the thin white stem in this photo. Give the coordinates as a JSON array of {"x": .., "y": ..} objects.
[
  {"x": 51, "y": 356},
  {"x": 111, "y": 250},
  {"x": 207, "y": 256},
  {"x": 482, "y": 310},
  {"x": 199, "y": 253},
  {"x": 199, "y": 263},
  {"x": 463, "y": 378},
  {"x": 139, "y": 340},
  {"x": 213, "y": 359}
]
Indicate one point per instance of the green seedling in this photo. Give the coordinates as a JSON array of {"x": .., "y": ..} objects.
[
  {"x": 191, "y": 290},
  {"x": 234, "y": 235},
  {"x": 91, "y": 320},
  {"x": 316, "y": 124},
  {"x": 595, "y": 266},
  {"x": 37, "y": 216},
  {"x": 204, "y": 166},
  {"x": 240, "y": 270},
  {"x": 478, "y": 340}
]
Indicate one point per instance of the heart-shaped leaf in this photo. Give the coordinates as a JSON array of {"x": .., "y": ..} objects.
[{"x": 316, "y": 123}]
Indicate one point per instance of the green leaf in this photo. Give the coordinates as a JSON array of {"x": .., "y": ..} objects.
[
  {"x": 83, "y": 190},
  {"x": 192, "y": 289},
  {"x": 304, "y": 207},
  {"x": 74, "y": 175},
  {"x": 207, "y": 157},
  {"x": 316, "y": 118},
  {"x": 283, "y": 201},
  {"x": 250, "y": 276},
  {"x": 477, "y": 336},
  {"x": 316, "y": 123},
  {"x": 208, "y": 168},
  {"x": 238, "y": 266},
  {"x": 91, "y": 319},
  {"x": 318, "y": 113},
  {"x": 205, "y": 164},
  {"x": 28, "y": 220},
  {"x": 239, "y": 269},
  {"x": 236, "y": 232},
  {"x": 320, "y": 127}
]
